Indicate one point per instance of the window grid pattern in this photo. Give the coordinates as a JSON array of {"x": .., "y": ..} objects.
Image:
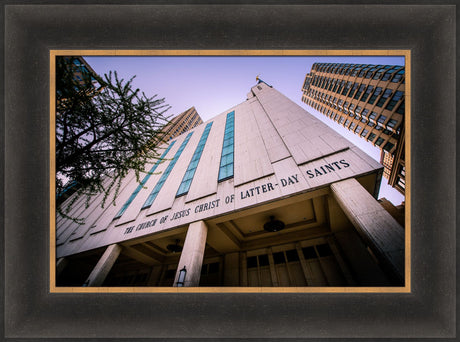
[
  {"x": 227, "y": 157},
  {"x": 355, "y": 91},
  {"x": 188, "y": 177},
  {"x": 142, "y": 183},
  {"x": 164, "y": 176}
]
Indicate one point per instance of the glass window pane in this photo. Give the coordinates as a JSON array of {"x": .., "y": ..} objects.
[
  {"x": 146, "y": 178},
  {"x": 263, "y": 260},
  {"x": 324, "y": 250},
  {"x": 226, "y": 163},
  {"x": 279, "y": 258},
  {"x": 309, "y": 252}
]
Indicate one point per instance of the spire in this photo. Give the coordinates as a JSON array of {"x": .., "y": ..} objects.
[{"x": 259, "y": 80}]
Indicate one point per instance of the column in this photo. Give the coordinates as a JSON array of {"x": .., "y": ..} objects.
[
  {"x": 243, "y": 269},
  {"x": 103, "y": 266},
  {"x": 193, "y": 253},
  {"x": 376, "y": 226},
  {"x": 273, "y": 273}
]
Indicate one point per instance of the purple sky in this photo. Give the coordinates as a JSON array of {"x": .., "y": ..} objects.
[{"x": 215, "y": 84}]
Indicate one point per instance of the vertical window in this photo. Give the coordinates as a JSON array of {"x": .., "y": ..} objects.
[
  {"x": 401, "y": 108},
  {"x": 381, "y": 119},
  {"x": 355, "y": 86},
  {"x": 367, "y": 93},
  {"x": 388, "y": 146},
  {"x": 370, "y": 72},
  {"x": 373, "y": 116},
  {"x": 362, "y": 72},
  {"x": 227, "y": 158},
  {"x": 394, "y": 100},
  {"x": 388, "y": 74},
  {"x": 166, "y": 173},
  {"x": 360, "y": 91},
  {"x": 332, "y": 84},
  {"x": 385, "y": 96},
  {"x": 347, "y": 88},
  {"x": 335, "y": 86},
  {"x": 341, "y": 86},
  {"x": 142, "y": 183},
  {"x": 392, "y": 123},
  {"x": 398, "y": 76},
  {"x": 374, "y": 96},
  {"x": 188, "y": 177},
  {"x": 352, "y": 108},
  {"x": 379, "y": 141}
]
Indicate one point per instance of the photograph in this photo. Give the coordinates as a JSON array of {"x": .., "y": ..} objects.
[{"x": 231, "y": 172}]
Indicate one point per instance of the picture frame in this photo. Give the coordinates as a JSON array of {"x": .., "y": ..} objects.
[{"x": 32, "y": 311}]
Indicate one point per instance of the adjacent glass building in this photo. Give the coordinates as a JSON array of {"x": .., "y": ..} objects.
[
  {"x": 181, "y": 124},
  {"x": 368, "y": 100}
]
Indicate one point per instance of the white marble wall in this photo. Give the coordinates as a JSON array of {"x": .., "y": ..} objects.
[{"x": 280, "y": 150}]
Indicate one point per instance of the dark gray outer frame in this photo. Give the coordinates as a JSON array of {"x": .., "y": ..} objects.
[{"x": 30, "y": 311}]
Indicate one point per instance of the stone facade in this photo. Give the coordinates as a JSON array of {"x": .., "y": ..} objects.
[{"x": 264, "y": 160}]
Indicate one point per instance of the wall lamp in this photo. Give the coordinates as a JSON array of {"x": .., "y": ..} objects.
[{"x": 181, "y": 278}]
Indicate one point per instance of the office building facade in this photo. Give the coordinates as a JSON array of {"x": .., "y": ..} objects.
[
  {"x": 262, "y": 195},
  {"x": 181, "y": 124},
  {"x": 367, "y": 100}
]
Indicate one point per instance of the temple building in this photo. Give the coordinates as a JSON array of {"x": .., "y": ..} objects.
[
  {"x": 262, "y": 195},
  {"x": 369, "y": 101}
]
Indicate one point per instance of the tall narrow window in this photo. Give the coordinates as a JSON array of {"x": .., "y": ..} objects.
[
  {"x": 398, "y": 76},
  {"x": 385, "y": 96},
  {"x": 142, "y": 183},
  {"x": 374, "y": 96},
  {"x": 227, "y": 158},
  {"x": 188, "y": 177},
  {"x": 401, "y": 108},
  {"x": 394, "y": 100},
  {"x": 360, "y": 90},
  {"x": 367, "y": 93},
  {"x": 347, "y": 88},
  {"x": 166, "y": 173}
]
